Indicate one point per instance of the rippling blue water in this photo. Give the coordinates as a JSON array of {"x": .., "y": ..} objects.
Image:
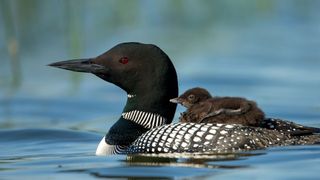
[
  {"x": 60, "y": 154},
  {"x": 52, "y": 120}
]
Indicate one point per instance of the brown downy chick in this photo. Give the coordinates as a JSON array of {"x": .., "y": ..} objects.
[{"x": 203, "y": 108}]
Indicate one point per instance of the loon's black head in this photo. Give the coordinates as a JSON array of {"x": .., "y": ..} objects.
[
  {"x": 144, "y": 71},
  {"x": 147, "y": 74},
  {"x": 192, "y": 96}
]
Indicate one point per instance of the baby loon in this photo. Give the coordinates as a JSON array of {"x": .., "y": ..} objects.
[
  {"x": 203, "y": 108},
  {"x": 148, "y": 76}
]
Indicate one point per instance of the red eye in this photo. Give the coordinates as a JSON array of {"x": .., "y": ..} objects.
[{"x": 124, "y": 60}]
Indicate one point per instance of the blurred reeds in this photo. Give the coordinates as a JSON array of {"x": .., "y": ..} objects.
[{"x": 12, "y": 42}]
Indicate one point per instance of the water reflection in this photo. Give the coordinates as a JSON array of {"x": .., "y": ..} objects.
[
  {"x": 164, "y": 166},
  {"x": 187, "y": 160}
]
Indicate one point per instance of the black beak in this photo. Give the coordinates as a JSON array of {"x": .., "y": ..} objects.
[{"x": 81, "y": 65}]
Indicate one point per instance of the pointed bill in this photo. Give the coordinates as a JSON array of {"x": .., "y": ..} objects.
[
  {"x": 175, "y": 100},
  {"x": 80, "y": 65}
]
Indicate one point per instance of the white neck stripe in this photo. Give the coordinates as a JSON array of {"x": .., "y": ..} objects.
[
  {"x": 131, "y": 95},
  {"x": 146, "y": 119}
]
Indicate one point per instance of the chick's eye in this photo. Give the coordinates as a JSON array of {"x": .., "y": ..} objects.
[
  {"x": 191, "y": 97},
  {"x": 124, "y": 60}
]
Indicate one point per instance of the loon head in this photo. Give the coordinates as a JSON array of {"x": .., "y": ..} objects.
[
  {"x": 192, "y": 96},
  {"x": 144, "y": 71},
  {"x": 148, "y": 76}
]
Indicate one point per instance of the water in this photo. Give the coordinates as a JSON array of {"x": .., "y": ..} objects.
[
  {"x": 61, "y": 154},
  {"x": 52, "y": 120}
]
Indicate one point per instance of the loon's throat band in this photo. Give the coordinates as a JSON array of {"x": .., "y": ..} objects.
[{"x": 145, "y": 119}]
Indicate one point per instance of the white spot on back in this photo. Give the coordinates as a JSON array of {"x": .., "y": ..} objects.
[
  {"x": 164, "y": 137},
  {"x": 204, "y": 128},
  {"x": 196, "y": 139},
  {"x": 229, "y": 126},
  {"x": 183, "y": 144},
  {"x": 212, "y": 131},
  {"x": 200, "y": 133},
  {"x": 223, "y": 132},
  {"x": 191, "y": 131},
  {"x": 187, "y": 136},
  {"x": 209, "y": 137}
]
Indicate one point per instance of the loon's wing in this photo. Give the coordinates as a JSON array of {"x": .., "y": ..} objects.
[
  {"x": 203, "y": 137},
  {"x": 216, "y": 138},
  {"x": 288, "y": 127}
]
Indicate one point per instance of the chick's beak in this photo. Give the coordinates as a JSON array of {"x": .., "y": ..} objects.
[{"x": 176, "y": 100}]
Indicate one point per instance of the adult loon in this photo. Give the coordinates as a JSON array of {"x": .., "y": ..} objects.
[
  {"x": 203, "y": 108},
  {"x": 148, "y": 76}
]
